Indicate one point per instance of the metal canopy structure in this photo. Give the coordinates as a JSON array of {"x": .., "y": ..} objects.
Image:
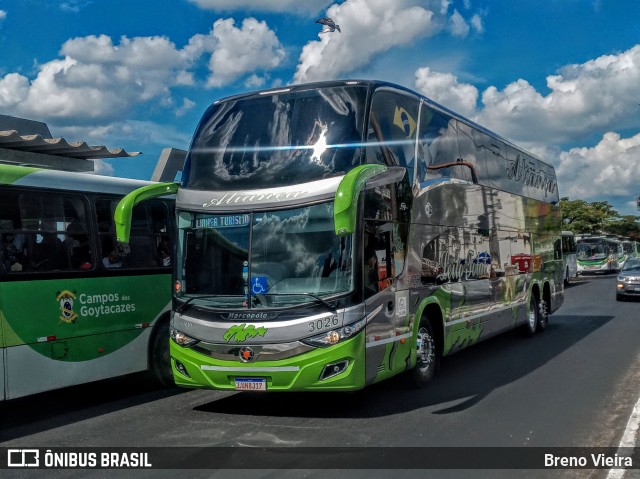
[{"x": 27, "y": 142}]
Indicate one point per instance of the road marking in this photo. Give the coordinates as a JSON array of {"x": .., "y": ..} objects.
[{"x": 628, "y": 440}]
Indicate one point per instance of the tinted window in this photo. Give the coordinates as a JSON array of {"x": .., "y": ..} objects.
[
  {"x": 274, "y": 140},
  {"x": 45, "y": 232},
  {"x": 437, "y": 144},
  {"x": 392, "y": 130}
]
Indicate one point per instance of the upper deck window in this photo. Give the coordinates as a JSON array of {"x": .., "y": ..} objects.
[
  {"x": 276, "y": 140},
  {"x": 391, "y": 138}
]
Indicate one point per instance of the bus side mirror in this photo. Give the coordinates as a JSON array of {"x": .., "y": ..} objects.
[{"x": 345, "y": 204}]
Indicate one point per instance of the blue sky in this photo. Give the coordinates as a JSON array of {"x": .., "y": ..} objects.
[{"x": 559, "y": 77}]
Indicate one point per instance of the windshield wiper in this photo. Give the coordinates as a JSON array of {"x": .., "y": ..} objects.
[
  {"x": 186, "y": 303},
  {"x": 312, "y": 295}
]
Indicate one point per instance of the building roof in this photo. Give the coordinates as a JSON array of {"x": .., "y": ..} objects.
[{"x": 12, "y": 140}]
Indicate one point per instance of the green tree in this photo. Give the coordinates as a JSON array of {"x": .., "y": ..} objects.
[
  {"x": 582, "y": 217},
  {"x": 627, "y": 226}
]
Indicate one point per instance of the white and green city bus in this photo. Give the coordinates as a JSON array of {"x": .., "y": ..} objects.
[
  {"x": 599, "y": 254},
  {"x": 71, "y": 309},
  {"x": 332, "y": 235}
]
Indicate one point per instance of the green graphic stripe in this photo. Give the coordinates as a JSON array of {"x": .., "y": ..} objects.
[{"x": 9, "y": 174}]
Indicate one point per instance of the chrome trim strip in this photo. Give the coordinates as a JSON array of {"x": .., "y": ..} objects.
[
  {"x": 515, "y": 304},
  {"x": 274, "y": 369},
  {"x": 394, "y": 339}
]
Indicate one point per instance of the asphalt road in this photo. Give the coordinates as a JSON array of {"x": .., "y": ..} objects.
[{"x": 574, "y": 385}]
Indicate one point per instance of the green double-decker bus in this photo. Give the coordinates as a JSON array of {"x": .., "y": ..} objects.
[
  {"x": 335, "y": 234},
  {"x": 72, "y": 309}
]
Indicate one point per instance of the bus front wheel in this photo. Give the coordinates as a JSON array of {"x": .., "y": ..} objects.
[{"x": 427, "y": 360}]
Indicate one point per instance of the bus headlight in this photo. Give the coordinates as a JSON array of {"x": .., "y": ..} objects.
[
  {"x": 334, "y": 336},
  {"x": 182, "y": 339}
]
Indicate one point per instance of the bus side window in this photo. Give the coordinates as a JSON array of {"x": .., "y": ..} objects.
[
  {"x": 392, "y": 130},
  {"x": 56, "y": 231},
  {"x": 150, "y": 241},
  {"x": 149, "y": 236},
  {"x": 437, "y": 145}
]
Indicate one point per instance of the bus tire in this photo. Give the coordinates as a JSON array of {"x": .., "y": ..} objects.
[
  {"x": 427, "y": 355},
  {"x": 159, "y": 356},
  {"x": 543, "y": 315},
  {"x": 533, "y": 313}
]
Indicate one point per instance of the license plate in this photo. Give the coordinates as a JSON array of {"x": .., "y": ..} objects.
[{"x": 251, "y": 384}]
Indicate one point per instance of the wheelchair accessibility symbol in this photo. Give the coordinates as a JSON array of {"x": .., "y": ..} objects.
[{"x": 259, "y": 285}]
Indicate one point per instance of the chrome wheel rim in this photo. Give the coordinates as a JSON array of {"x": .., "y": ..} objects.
[
  {"x": 532, "y": 316},
  {"x": 426, "y": 352}
]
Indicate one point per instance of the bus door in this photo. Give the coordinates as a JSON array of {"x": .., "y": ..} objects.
[{"x": 385, "y": 227}]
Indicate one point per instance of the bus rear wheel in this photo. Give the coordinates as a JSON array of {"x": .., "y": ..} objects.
[
  {"x": 531, "y": 326},
  {"x": 427, "y": 355},
  {"x": 543, "y": 315}
]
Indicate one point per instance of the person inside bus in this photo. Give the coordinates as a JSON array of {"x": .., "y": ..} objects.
[
  {"x": 47, "y": 252},
  {"x": 11, "y": 254},
  {"x": 76, "y": 245},
  {"x": 112, "y": 260},
  {"x": 164, "y": 253}
]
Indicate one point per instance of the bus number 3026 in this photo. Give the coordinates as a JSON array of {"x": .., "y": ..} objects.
[{"x": 322, "y": 324}]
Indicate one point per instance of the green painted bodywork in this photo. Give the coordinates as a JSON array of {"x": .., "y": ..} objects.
[
  {"x": 307, "y": 376},
  {"x": 346, "y": 201},
  {"x": 9, "y": 174},
  {"x": 100, "y": 315},
  {"x": 124, "y": 209}
]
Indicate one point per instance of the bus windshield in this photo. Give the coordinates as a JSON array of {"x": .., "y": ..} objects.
[
  {"x": 277, "y": 139},
  {"x": 592, "y": 250},
  {"x": 266, "y": 259}
]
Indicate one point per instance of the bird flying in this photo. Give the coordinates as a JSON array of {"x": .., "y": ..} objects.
[{"x": 329, "y": 25}]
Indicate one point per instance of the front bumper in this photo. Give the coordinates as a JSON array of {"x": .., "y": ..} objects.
[{"x": 299, "y": 373}]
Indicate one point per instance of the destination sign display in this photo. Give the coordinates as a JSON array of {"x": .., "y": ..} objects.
[{"x": 222, "y": 221}]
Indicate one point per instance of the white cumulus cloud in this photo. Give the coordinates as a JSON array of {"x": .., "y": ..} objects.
[
  {"x": 596, "y": 95},
  {"x": 97, "y": 79},
  {"x": 368, "y": 27},
  {"x": 240, "y": 50},
  {"x": 458, "y": 25},
  {"x": 445, "y": 89},
  {"x": 610, "y": 168}
]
